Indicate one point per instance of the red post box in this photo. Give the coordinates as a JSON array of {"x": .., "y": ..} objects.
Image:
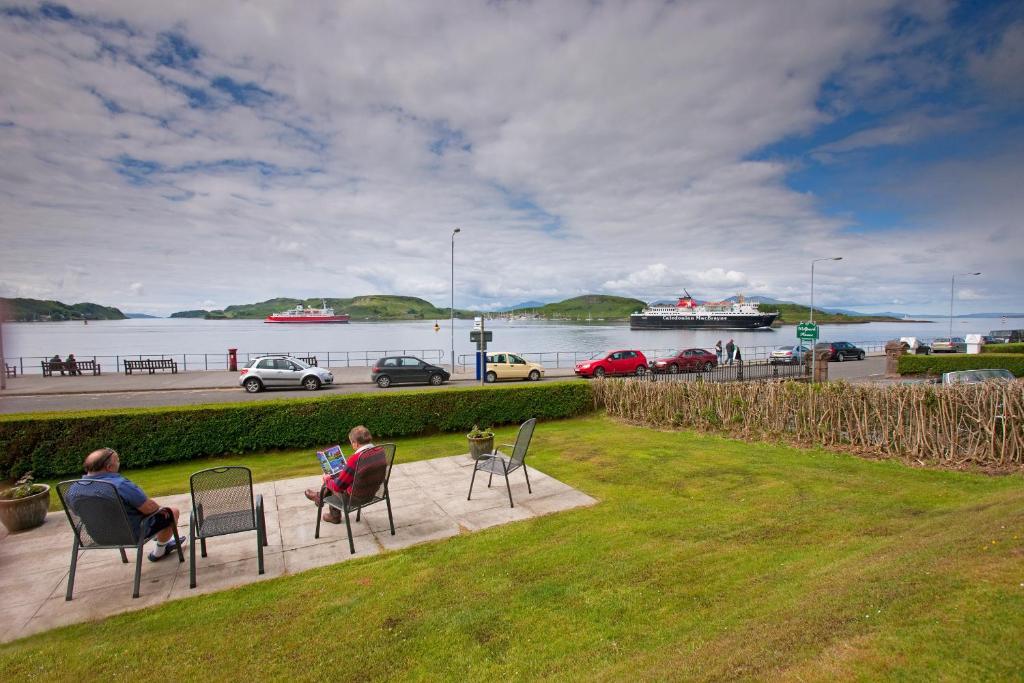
[{"x": 233, "y": 360}]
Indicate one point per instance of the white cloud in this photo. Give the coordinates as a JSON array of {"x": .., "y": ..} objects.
[
  {"x": 136, "y": 289},
  {"x": 579, "y": 146}
]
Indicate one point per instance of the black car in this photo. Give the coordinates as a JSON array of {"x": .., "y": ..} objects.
[
  {"x": 840, "y": 351},
  {"x": 407, "y": 370}
]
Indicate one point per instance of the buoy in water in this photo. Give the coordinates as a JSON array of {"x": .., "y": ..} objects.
[{"x": 437, "y": 328}]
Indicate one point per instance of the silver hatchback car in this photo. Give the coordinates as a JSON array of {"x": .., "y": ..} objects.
[{"x": 272, "y": 372}]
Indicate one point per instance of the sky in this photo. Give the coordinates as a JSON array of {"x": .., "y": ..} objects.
[{"x": 168, "y": 156}]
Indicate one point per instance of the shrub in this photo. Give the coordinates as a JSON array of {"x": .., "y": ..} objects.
[
  {"x": 1003, "y": 348},
  {"x": 54, "y": 445},
  {"x": 936, "y": 364},
  {"x": 967, "y": 424}
]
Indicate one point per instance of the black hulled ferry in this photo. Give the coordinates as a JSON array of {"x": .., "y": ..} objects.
[{"x": 687, "y": 314}]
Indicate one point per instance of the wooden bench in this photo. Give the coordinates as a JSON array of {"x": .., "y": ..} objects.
[
  {"x": 11, "y": 370},
  {"x": 150, "y": 364},
  {"x": 75, "y": 368},
  {"x": 310, "y": 361}
]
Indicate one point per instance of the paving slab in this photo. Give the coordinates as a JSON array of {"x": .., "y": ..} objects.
[{"x": 428, "y": 504}]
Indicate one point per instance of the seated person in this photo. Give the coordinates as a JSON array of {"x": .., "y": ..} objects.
[
  {"x": 103, "y": 464},
  {"x": 71, "y": 365},
  {"x": 57, "y": 364},
  {"x": 365, "y": 456}
]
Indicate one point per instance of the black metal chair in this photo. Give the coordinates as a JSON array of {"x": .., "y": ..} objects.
[
  {"x": 98, "y": 518},
  {"x": 222, "y": 504},
  {"x": 499, "y": 463},
  {"x": 369, "y": 486}
]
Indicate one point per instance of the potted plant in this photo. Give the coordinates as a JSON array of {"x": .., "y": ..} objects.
[
  {"x": 24, "y": 505},
  {"x": 481, "y": 442}
]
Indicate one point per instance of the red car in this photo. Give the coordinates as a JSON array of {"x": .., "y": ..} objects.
[
  {"x": 687, "y": 360},
  {"x": 614, "y": 363}
]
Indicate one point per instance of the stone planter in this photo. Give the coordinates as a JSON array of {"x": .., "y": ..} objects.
[
  {"x": 19, "y": 514},
  {"x": 480, "y": 446}
]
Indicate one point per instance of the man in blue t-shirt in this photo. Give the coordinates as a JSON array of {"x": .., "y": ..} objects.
[{"x": 103, "y": 464}]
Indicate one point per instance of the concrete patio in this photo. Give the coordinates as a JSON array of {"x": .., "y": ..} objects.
[{"x": 428, "y": 500}]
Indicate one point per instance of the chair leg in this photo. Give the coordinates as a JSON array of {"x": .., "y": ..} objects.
[
  {"x": 192, "y": 552},
  {"x": 138, "y": 568},
  {"x": 489, "y": 479},
  {"x": 202, "y": 545},
  {"x": 263, "y": 523},
  {"x": 509, "y": 489},
  {"x": 359, "y": 512},
  {"x": 319, "y": 511},
  {"x": 177, "y": 544},
  {"x": 124, "y": 556},
  {"x": 527, "y": 479},
  {"x": 391, "y": 520},
  {"x": 259, "y": 548},
  {"x": 472, "y": 479},
  {"x": 348, "y": 527},
  {"x": 74, "y": 565}
]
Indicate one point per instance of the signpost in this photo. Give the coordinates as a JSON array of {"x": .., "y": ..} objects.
[
  {"x": 807, "y": 332},
  {"x": 480, "y": 337}
]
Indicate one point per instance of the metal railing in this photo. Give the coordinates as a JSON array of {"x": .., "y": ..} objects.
[
  {"x": 740, "y": 371},
  {"x": 219, "y": 361}
]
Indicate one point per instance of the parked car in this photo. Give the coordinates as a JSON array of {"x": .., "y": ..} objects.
[
  {"x": 687, "y": 360},
  {"x": 407, "y": 370},
  {"x": 975, "y": 376},
  {"x": 1009, "y": 336},
  {"x": 788, "y": 354},
  {"x": 504, "y": 365},
  {"x": 949, "y": 345},
  {"x": 840, "y": 351},
  {"x": 275, "y": 372},
  {"x": 913, "y": 345},
  {"x": 989, "y": 339},
  {"x": 625, "y": 362}
]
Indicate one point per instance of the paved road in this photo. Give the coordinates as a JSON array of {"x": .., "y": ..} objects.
[{"x": 871, "y": 368}]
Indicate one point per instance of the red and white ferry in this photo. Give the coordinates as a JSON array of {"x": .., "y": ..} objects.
[{"x": 299, "y": 314}]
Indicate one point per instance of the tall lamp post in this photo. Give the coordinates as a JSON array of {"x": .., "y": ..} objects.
[
  {"x": 814, "y": 354},
  {"x": 452, "y": 309},
  {"x": 952, "y": 289}
]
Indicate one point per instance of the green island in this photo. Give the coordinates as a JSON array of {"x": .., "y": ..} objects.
[
  {"x": 368, "y": 307},
  {"x": 39, "y": 310},
  {"x": 708, "y": 557}
]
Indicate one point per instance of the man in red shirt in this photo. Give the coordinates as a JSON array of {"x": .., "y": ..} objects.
[{"x": 368, "y": 459}]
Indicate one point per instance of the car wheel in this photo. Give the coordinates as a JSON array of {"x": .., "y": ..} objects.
[
  {"x": 437, "y": 379},
  {"x": 534, "y": 375},
  {"x": 491, "y": 376},
  {"x": 709, "y": 366},
  {"x": 641, "y": 370},
  {"x": 311, "y": 383},
  {"x": 860, "y": 356},
  {"x": 673, "y": 369},
  {"x": 383, "y": 381},
  {"x": 253, "y": 385},
  {"x": 599, "y": 373},
  {"x": 840, "y": 358}
]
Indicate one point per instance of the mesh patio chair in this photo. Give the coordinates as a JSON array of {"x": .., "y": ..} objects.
[
  {"x": 99, "y": 521},
  {"x": 499, "y": 463},
  {"x": 369, "y": 486},
  {"x": 222, "y": 504}
]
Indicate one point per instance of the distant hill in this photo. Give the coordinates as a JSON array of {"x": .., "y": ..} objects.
[
  {"x": 140, "y": 315},
  {"x": 38, "y": 310},
  {"x": 588, "y": 306},
  {"x": 520, "y": 306},
  {"x": 370, "y": 307}
]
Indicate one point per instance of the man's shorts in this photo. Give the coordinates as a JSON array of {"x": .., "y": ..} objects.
[{"x": 157, "y": 522}]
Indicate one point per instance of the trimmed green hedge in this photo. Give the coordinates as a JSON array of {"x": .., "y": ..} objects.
[
  {"x": 937, "y": 364},
  {"x": 55, "y": 444},
  {"x": 1003, "y": 348}
]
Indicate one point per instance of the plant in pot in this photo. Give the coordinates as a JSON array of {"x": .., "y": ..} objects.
[
  {"x": 24, "y": 505},
  {"x": 481, "y": 442}
]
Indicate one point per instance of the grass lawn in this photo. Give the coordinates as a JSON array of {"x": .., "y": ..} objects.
[{"x": 706, "y": 558}]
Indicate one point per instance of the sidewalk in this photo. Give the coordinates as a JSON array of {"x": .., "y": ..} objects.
[
  {"x": 34, "y": 385},
  {"x": 429, "y": 502}
]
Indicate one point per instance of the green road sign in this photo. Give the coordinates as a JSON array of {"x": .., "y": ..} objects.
[{"x": 806, "y": 331}]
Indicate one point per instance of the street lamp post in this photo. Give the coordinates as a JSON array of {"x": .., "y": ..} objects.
[
  {"x": 451, "y": 311},
  {"x": 814, "y": 350},
  {"x": 952, "y": 288}
]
